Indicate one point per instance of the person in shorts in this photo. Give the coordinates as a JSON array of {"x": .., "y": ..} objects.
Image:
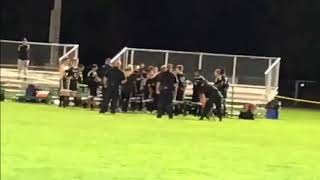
[{"x": 23, "y": 58}]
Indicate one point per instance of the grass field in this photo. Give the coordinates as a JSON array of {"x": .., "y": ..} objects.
[{"x": 40, "y": 142}]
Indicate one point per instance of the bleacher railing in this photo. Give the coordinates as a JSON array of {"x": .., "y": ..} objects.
[
  {"x": 272, "y": 77},
  {"x": 42, "y": 54},
  {"x": 242, "y": 70}
]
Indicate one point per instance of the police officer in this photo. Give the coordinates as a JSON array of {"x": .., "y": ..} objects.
[
  {"x": 104, "y": 68},
  {"x": 111, "y": 82},
  {"x": 166, "y": 88},
  {"x": 213, "y": 97}
]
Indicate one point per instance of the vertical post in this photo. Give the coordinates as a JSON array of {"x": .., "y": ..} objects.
[
  {"x": 268, "y": 81},
  {"x": 132, "y": 57},
  {"x": 76, "y": 54},
  {"x": 234, "y": 70},
  {"x": 126, "y": 59},
  {"x": 296, "y": 89},
  {"x": 64, "y": 50},
  {"x": 200, "y": 61},
  {"x": 166, "y": 60},
  {"x": 277, "y": 74},
  {"x": 270, "y": 76},
  {"x": 270, "y": 62},
  {"x": 54, "y": 30}
]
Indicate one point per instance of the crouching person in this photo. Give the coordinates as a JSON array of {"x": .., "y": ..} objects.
[{"x": 210, "y": 96}]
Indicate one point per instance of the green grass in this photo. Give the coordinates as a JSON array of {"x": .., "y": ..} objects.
[{"x": 40, "y": 142}]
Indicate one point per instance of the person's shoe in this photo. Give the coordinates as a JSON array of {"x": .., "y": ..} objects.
[
  {"x": 159, "y": 116},
  {"x": 102, "y": 112},
  {"x": 170, "y": 117},
  {"x": 201, "y": 119}
]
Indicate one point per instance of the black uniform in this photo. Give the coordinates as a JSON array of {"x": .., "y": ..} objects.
[
  {"x": 167, "y": 82},
  {"x": 114, "y": 78},
  {"x": 194, "y": 109},
  {"x": 24, "y": 53},
  {"x": 214, "y": 97},
  {"x": 128, "y": 90},
  {"x": 73, "y": 74},
  {"x": 180, "y": 94},
  {"x": 151, "y": 85},
  {"x": 223, "y": 85},
  {"x": 93, "y": 83},
  {"x": 181, "y": 86},
  {"x": 103, "y": 70},
  {"x": 196, "y": 88}
]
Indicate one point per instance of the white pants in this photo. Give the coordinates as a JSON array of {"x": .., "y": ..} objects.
[{"x": 23, "y": 65}]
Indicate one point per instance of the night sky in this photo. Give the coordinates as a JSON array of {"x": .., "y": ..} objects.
[{"x": 289, "y": 29}]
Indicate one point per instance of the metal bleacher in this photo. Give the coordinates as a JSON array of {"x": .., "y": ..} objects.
[
  {"x": 253, "y": 79},
  {"x": 42, "y": 78}
]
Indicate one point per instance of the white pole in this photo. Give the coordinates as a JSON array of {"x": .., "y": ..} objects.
[
  {"x": 166, "y": 58},
  {"x": 126, "y": 59},
  {"x": 64, "y": 50},
  {"x": 77, "y": 53},
  {"x": 200, "y": 61},
  {"x": 132, "y": 57},
  {"x": 234, "y": 70}
]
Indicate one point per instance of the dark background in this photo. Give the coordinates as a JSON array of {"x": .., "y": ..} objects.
[{"x": 289, "y": 29}]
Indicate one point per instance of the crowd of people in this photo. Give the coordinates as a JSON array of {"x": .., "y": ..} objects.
[{"x": 163, "y": 90}]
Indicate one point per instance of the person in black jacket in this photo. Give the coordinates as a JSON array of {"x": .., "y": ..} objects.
[
  {"x": 93, "y": 80},
  {"x": 222, "y": 83},
  {"x": 72, "y": 75},
  {"x": 195, "y": 110},
  {"x": 23, "y": 57},
  {"x": 181, "y": 82},
  {"x": 167, "y": 89},
  {"x": 213, "y": 97},
  {"x": 181, "y": 89},
  {"x": 105, "y": 68},
  {"x": 111, "y": 82},
  {"x": 129, "y": 88}
]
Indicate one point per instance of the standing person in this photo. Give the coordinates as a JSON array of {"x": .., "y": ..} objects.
[
  {"x": 72, "y": 75},
  {"x": 93, "y": 80},
  {"x": 222, "y": 83},
  {"x": 212, "y": 97},
  {"x": 151, "y": 84},
  {"x": 105, "y": 68},
  {"x": 111, "y": 83},
  {"x": 181, "y": 89},
  {"x": 81, "y": 70},
  {"x": 181, "y": 82},
  {"x": 128, "y": 88},
  {"x": 166, "y": 88},
  {"x": 23, "y": 58}
]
